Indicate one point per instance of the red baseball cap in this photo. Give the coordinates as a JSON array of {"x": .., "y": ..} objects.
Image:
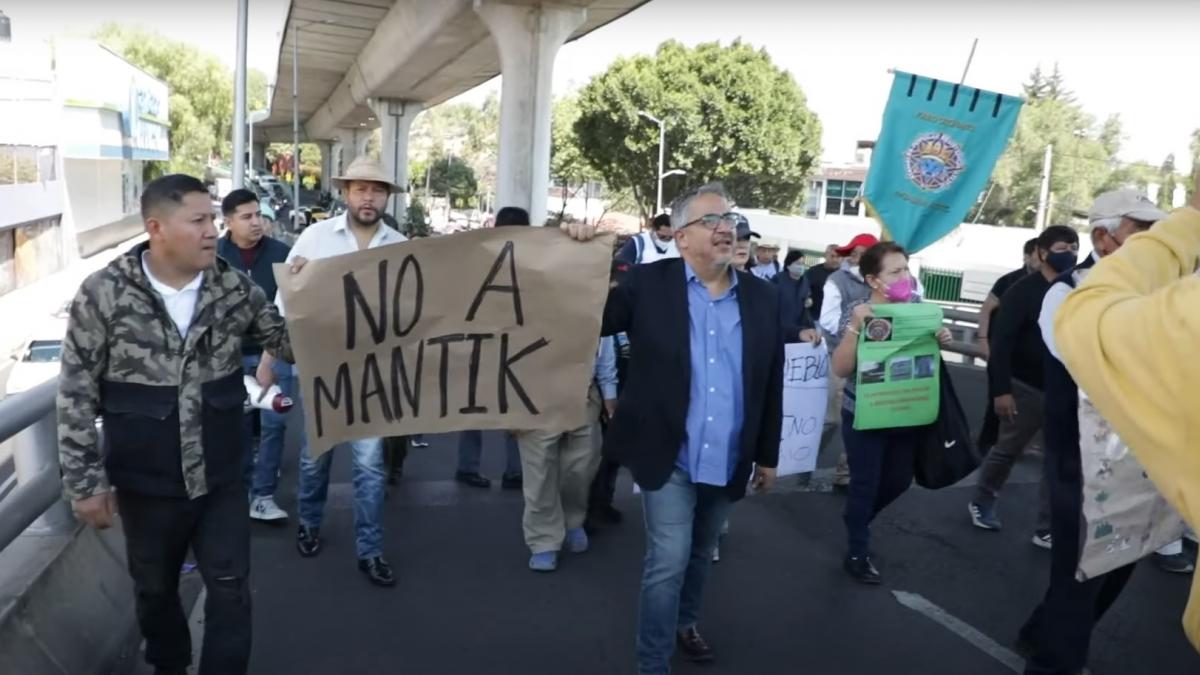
[{"x": 864, "y": 240}]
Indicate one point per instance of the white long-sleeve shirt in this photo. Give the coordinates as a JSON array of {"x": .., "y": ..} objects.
[{"x": 831, "y": 306}]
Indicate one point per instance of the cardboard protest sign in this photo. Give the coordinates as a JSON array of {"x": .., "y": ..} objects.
[
  {"x": 490, "y": 329},
  {"x": 805, "y": 390},
  {"x": 898, "y": 373},
  {"x": 1125, "y": 517}
]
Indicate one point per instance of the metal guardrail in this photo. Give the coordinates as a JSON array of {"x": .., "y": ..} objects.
[
  {"x": 963, "y": 322},
  {"x": 35, "y": 504}
]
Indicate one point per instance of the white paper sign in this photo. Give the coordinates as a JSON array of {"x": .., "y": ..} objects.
[{"x": 805, "y": 392}]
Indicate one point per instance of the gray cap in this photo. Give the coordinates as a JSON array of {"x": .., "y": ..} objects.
[{"x": 1125, "y": 203}]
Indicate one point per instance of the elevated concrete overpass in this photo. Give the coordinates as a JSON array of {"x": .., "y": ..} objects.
[{"x": 365, "y": 64}]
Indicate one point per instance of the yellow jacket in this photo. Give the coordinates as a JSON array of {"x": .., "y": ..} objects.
[{"x": 1129, "y": 336}]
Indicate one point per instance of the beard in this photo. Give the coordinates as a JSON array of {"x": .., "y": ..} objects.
[{"x": 366, "y": 221}]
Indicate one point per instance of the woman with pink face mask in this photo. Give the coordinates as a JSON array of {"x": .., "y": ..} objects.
[{"x": 881, "y": 460}]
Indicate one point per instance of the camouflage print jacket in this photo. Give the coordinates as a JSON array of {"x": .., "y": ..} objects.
[{"x": 171, "y": 407}]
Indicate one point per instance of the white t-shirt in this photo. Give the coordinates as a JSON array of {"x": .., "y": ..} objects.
[{"x": 180, "y": 303}]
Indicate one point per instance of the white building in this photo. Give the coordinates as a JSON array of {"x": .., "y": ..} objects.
[
  {"x": 114, "y": 118},
  {"x": 31, "y": 193}
]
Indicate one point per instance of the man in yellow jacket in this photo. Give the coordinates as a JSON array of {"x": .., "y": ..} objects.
[{"x": 1142, "y": 300}]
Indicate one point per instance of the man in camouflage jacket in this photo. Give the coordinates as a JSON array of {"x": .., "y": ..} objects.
[{"x": 153, "y": 348}]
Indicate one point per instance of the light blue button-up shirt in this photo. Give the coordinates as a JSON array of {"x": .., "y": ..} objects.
[
  {"x": 606, "y": 368},
  {"x": 715, "y": 404}
]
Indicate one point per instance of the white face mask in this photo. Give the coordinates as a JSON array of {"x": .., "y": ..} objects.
[{"x": 796, "y": 269}]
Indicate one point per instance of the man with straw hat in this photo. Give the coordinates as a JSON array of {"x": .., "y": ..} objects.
[{"x": 366, "y": 187}]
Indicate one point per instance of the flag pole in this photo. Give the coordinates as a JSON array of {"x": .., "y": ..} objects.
[{"x": 970, "y": 57}]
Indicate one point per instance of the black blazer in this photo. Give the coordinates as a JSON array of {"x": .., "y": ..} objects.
[{"x": 651, "y": 306}]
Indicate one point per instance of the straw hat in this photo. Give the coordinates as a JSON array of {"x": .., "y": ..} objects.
[{"x": 365, "y": 168}]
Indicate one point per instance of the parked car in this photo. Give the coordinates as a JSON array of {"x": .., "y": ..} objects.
[{"x": 39, "y": 359}]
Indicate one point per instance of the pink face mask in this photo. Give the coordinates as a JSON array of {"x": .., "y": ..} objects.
[{"x": 901, "y": 290}]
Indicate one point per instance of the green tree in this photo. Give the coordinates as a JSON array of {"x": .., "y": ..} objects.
[
  {"x": 731, "y": 114},
  {"x": 450, "y": 176},
  {"x": 416, "y": 224},
  {"x": 1083, "y": 157},
  {"x": 567, "y": 164},
  {"x": 466, "y": 131},
  {"x": 1166, "y": 183},
  {"x": 1195, "y": 148}
]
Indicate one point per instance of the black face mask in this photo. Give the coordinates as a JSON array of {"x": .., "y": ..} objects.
[{"x": 1062, "y": 261}]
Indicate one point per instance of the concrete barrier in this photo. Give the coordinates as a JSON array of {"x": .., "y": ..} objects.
[{"x": 66, "y": 603}]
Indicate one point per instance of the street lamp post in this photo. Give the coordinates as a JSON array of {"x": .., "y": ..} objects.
[
  {"x": 296, "y": 109},
  {"x": 662, "y": 139},
  {"x": 239, "y": 100}
]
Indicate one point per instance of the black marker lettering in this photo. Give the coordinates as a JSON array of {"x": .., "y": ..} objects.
[
  {"x": 371, "y": 378},
  {"x": 506, "y": 375},
  {"x": 419, "y": 297},
  {"x": 443, "y": 368},
  {"x": 511, "y": 287},
  {"x": 473, "y": 373},
  {"x": 354, "y": 296},
  {"x": 401, "y": 383},
  {"x": 341, "y": 389}
]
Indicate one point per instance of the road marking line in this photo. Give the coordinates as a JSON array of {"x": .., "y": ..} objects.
[{"x": 962, "y": 629}]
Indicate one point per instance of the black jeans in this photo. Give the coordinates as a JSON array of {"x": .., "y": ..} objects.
[
  {"x": 881, "y": 469},
  {"x": 1060, "y": 628},
  {"x": 604, "y": 485},
  {"x": 158, "y": 533}
]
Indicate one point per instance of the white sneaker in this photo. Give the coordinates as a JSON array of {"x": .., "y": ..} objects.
[{"x": 266, "y": 510}]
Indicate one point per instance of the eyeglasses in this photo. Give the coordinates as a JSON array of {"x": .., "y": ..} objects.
[{"x": 711, "y": 221}]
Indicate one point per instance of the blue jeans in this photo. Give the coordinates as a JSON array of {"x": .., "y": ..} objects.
[
  {"x": 683, "y": 522},
  {"x": 369, "y": 486},
  {"x": 881, "y": 469},
  {"x": 470, "y": 450},
  {"x": 262, "y": 468}
]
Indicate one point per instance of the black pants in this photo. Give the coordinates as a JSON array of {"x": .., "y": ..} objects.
[
  {"x": 604, "y": 485},
  {"x": 395, "y": 451},
  {"x": 158, "y": 533},
  {"x": 1060, "y": 628},
  {"x": 881, "y": 469}
]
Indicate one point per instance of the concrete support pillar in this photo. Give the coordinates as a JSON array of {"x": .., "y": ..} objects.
[
  {"x": 258, "y": 156},
  {"x": 396, "y": 118},
  {"x": 528, "y": 39},
  {"x": 346, "y": 144},
  {"x": 361, "y": 138},
  {"x": 327, "y": 164}
]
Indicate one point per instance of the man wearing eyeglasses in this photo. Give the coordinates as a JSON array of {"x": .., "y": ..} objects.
[{"x": 705, "y": 410}]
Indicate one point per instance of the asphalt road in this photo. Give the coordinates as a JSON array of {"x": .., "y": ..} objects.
[{"x": 777, "y": 603}]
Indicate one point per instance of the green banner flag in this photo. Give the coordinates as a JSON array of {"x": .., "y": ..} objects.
[{"x": 898, "y": 367}]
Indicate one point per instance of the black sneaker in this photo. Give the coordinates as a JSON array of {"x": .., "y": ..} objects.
[
  {"x": 378, "y": 571},
  {"x": 512, "y": 482},
  {"x": 693, "y": 647},
  {"x": 862, "y": 570},
  {"x": 473, "y": 479},
  {"x": 308, "y": 541}
]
